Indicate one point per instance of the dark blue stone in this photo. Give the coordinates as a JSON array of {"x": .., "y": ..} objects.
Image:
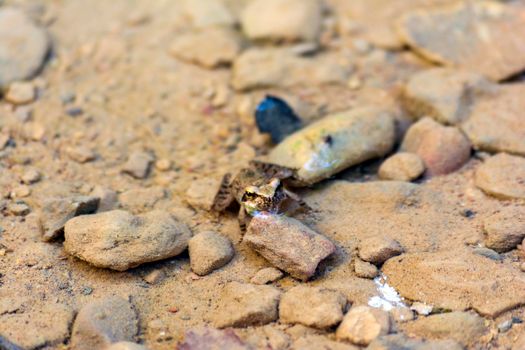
[{"x": 275, "y": 117}]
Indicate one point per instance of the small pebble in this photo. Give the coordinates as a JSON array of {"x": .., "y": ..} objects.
[
  {"x": 522, "y": 266},
  {"x": 422, "y": 308},
  {"x": 80, "y": 154},
  {"x": 138, "y": 165},
  {"x": 163, "y": 164},
  {"x": 20, "y": 93},
  {"x": 21, "y": 191},
  {"x": 74, "y": 111},
  {"x": 365, "y": 269},
  {"x": 487, "y": 253},
  {"x": 402, "y": 166},
  {"x": 154, "y": 276},
  {"x": 87, "y": 290},
  {"x": 378, "y": 249},
  {"x": 267, "y": 275},
  {"x": 18, "y": 209},
  {"x": 505, "y": 326},
  {"x": 208, "y": 252},
  {"x": 402, "y": 314},
  {"x": 362, "y": 324}
]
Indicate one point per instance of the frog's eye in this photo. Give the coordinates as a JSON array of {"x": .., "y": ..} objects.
[{"x": 248, "y": 195}]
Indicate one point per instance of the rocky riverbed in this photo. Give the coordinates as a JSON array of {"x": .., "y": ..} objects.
[{"x": 118, "y": 120}]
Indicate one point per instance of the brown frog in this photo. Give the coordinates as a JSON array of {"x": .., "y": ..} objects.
[{"x": 262, "y": 187}]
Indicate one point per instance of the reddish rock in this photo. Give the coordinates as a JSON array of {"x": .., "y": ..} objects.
[{"x": 443, "y": 149}]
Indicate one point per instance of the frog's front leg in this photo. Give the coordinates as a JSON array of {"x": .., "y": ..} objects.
[
  {"x": 243, "y": 219},
  {"x": 296, "y": 198}
]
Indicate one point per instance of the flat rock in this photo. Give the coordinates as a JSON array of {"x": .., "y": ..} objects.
[
  {"x": 14, "y": 326},
  {"x": 212, "y": 339},
  {"x": 141, "y": 199},
  {"x": 419, "y": 218},
  {"x": 138, "y": 165},
  {"x": 444, "y": 94},
  {"x": 202, "y": 192},
  {"x": 505, "y": 229},
  {"x": 443, "y": 149},
  {"x": 288, "y": 244},
  {"x": 497, "y": 123},
  {"x": 378, "y": 249},
  {"x": 207, "y": 13},
  {"x": 502, "y": 176},
  {"x": 208, "y": 252},
  {"x": 119, "y": 240},
  {"x": 362, "y": 324},
  {"x": 464, "y": 327},
  {"x": 312, "y": 306},
  {"x": 243, "y": 305},
  {"x": 56, "y": 212},
  {"x": 456, "y": 280},
  {"x": 375, "y": 19},
  {"x": 288, "y": 20},
  {"x": 274, "y": 67},
  {"x": 485, "y": 44},
  {"x": 20, "y": 93},
  {"x": 209, "y": 47},
  {"x": 103, "y": 322},
  {"x": 315, "y": 342},
  {"x": 335, "y": 143},
  {"x": 402, "y": 342},
  {"x": 267, "y": 275},
  {"x": 402, "y": 166},
  {"x": 23, "y": 46}
]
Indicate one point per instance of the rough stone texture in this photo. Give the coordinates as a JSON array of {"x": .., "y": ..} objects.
[
  {"x": 103, "y": 322},
  {"x": 287, "y": 20},
  {"x": 108, "y": 198},
  {"x": 502, "y": 176},
  {"x": 212, "y": 339},
  {"x": 488, "y": 42},
  {"x": 375, "y": 19},
  {"x": 312, "y": 307},
  {"x": 201, "y": 193},
  {"x": 362, "y": 324},
  {"x": 288, "y": 244},
  {"x": 402, "y": 166},
  {"x": 457, "y": 280},
  {"x": 243, "y": 305},
  {"x": 273, "y": 67},
  {"x": 126, "y": 345},
  {"x": 23, "y": 46},
  {"x": 444, "y": 94},
  {"x": 20, "y": 93},
  {"x": 209, "y": 251},
  {"x": 497, "y": 122},
  {"x": 378, "y": 249},
  {"x": 315, "y": 342},
  {"x": 464, "y": 327},
  {"x": 354, "y": 136},
  {"x": 31, "y": 176},
  {"x": 504, "y": 230},
  {"x": 138, "y": 165},
  {"x": 207, "y": 13},
  {"x": 210, "y": 47},
  {"x": 139, "y": 200},
  {"x": 80, "y": 154},
  {"x": 14, "y": 326},
  {"x": 56, "y": 212},
  {"x": 119, "y": 240},
  {"x": 267, "y": 275},
  {"x": 443, "y": 149},
  {"x": 402, "y": 342},
  {"x": 365, "y": 269}
]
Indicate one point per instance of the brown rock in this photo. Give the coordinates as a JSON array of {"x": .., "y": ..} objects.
[
  {"x": 212, "y": 339},
  {"x": 202, "y": 192},
  {"x": 495, "y": 51},
  {"x": 457, "y": 280},
  {"x": 496, "y": 122},
  {"x": 402, "y": 167},
  {"x": 57, "y": 211},
  {"x": 464, "y": 327},
  {"x": 209, "y": 251},
  {"x": 505, "y": 229},
  {"x": 378, "y": 249},
  {"x": 288, "y": 20},
  {"x": 443, "y": 94},
  {"x": 288, "y": 244},
  {"x": 20, "y": 93},
  {"x": 207, "y": 13},
  {"x": 312, "y": 307},
  {"x": 119, "y": 240},
  {"x": 362, "y": 324},
  {"x": 267, "y": 275},
  {"x": 401, "y": 341},
  {"x": 31, "y": 176},
  {"x": 80, "y": 154},
  {"x": 315, "y": 342},
  {"x": 209, "y": 47},
  {"x": 108, "y": 198},
  {"x": 365, "y": 269},
  {"x": 126, "y": 345},
  {"x": 502, "y": 176},
  {"x": 242, "y": 305},
  {"x": 103, "y": 322},
  {"x": 141, "y": 199},
  {"x": 443, "y": 149}
]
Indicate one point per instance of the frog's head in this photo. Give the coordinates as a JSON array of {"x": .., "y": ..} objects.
[{"x": 260, "y": 198}]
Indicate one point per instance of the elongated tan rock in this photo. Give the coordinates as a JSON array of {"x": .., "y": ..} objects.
[
  {"x": 288, "y": 244},
  {"x": 335, "y": 143}
]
